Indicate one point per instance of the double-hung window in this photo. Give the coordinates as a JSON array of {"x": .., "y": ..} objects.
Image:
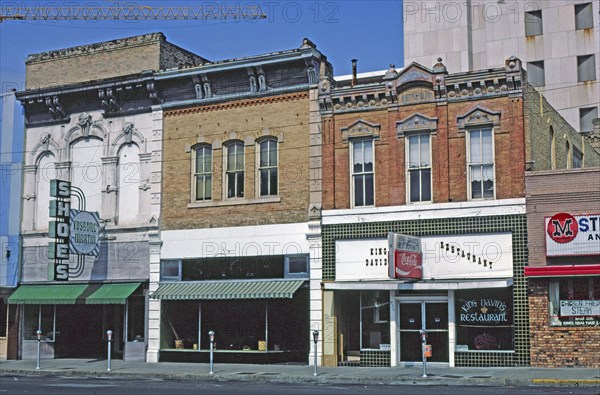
[
  {"x": 419, "y": 168},
  {"x": 363, "y": 173},
  {"x": 481, "y": 163},
  {"x": 203, "y": 173},
  {"x": 235, "y": 170},
  {"x": 267, "y": 167}
]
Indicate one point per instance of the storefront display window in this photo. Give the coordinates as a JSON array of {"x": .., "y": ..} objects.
[
  {"x": 135, "y": 318},
  {"x": 39, "y": 317},
  {"x": 574, "y": 302},
  {"x": 375, "y": 320},
  {"x": 484, "y": 320}
]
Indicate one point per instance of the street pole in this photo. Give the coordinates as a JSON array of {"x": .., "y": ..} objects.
[
  {"x": 211, "y": 335},
  {"x": 315, "y": 340},
  {"x": 39, "y": 341},
  {"x": 109, "y": 334},
  {"x": 423, "y": 342}
]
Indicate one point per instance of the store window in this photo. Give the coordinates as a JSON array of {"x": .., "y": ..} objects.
[
  {"x": 42, "y": 317},
  {"x": 267, "y": 167},
  {"x": 419, "y": 168},
  {"x": 574, "y": 302},
  {"x": 135, "y": 318},
  {"x": 481, "y": 163},
  {"x": 233, "y": 268},
  {"x": 375, "y": 320},
  {"x": 235, "y": 170},
  {"x": 3, "y": 318},
  {"x": 296, "y": 266},
  {"x": 363, "y": 172},
  {"x": 484, "y": 320},
  {"x": 170, "y": 269},
  {"x": 202, "y": 181}
]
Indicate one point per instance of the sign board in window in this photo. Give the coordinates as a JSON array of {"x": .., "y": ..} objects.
[
  {"x": 579, "y": 308},
  {"x": 406, "y": 259}
]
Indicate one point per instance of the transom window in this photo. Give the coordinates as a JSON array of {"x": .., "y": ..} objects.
[
  {"x": 363, "y": 173},
  {"x": 419, "y": 168},
  {"x": 235, "y": 170},
  {"x": 267, "y": 168},
  {"x": 481, "y": 163},
  {"x": 203, "y": 173}
]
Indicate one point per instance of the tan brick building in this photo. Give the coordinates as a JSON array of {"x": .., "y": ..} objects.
[
  {"x": 443, "y": 157},
  {"x": 240, "y": 213},
  {"x": 564, "y": 276}
]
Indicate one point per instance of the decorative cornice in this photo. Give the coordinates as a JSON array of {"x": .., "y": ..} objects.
[
  {"x": 237, "y": 104},
  {"x": 478, "y": 116},
  {"x": 361, "y": 128},
  {"x": 416, "y": 123}
]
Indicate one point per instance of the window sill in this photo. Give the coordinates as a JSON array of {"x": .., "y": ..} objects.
[{"x": 235, "y": 202}]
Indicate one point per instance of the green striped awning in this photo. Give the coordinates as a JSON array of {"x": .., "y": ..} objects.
[
  {"x": 73, "y": 293},
  {"x": 222, "y": 290}
]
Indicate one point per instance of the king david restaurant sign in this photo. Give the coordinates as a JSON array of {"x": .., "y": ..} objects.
[{"x": 72, "y": 231}]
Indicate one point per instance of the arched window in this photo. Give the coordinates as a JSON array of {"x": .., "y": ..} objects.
[
  {"x": 568, "y": 148},
  {"x": 552, "y": 149},
  {"x": 202, "y": 173},
  {"x": 86, "y": 171},
  {"x": 235, "y": 170},
  {"x": 46, "y": 171},
  {"x": 129, "y": 180},
  {"x": 268, "y": 167}
]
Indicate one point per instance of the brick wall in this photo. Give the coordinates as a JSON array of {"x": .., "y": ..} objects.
[
  {"x": 573, "y": 191},
  {"x": 108, "y": 59},
  {"x": 448, "y": 152},
  {"x": 285, "y": 117},
  {"x": 540, "y": 120},
  {"x": 554, "y": 347}
]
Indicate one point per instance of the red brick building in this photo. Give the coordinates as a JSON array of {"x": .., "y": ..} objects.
[
  {"x": 563, "y": 224},
  {"x": 440, "y": 156}
]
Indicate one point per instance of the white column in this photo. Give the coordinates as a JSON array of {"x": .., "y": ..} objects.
[
  {"x": 393, "y": 330},
  {"x": 154, "y": 304},
  {"x": 451, "y": 328}
]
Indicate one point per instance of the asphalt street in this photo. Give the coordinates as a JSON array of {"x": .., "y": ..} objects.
[{"x": 53, "y": 385}]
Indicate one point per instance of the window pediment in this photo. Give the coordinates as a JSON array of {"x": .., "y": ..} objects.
[
  {"x": 416, "y": 123},
  {"x": 361, "y": 128},
  {"x": 478, "y": 116}
]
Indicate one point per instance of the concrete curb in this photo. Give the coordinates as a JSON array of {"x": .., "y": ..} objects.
[{"x": 323, "y": 378}]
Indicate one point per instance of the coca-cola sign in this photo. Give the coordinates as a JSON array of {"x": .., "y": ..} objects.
[{"x": 406, "y": 259}]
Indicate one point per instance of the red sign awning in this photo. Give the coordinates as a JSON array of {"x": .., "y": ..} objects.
[{"x": 562, "y": 271}]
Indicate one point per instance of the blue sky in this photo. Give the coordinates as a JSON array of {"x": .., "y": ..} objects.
[{"x": 370, "y": 31}]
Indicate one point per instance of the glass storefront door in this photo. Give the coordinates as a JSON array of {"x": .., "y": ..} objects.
[{"x": 430, "y": 316}]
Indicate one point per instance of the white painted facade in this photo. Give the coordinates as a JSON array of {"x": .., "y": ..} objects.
[
  {"x": 479, "y": 34},
  {"x": 278, "y": 239}
]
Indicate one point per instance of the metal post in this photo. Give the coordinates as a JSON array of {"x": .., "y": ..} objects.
[
  {"x": 315, "y": 340},
  {"x": 423, "y": 342},
  {"x": 109, "y": 334},
  {"x": 211, "y": 335},
  {"x": 39, "y": 340}
]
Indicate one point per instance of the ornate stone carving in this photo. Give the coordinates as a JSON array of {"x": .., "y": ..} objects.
[
  {"x": 361, "y": 128},
  {"x": 478, "y": 116},
  {"x": 108, "y": 100},
  {"x": 55, "y": 108},
  {"x": 84, "y": 121},
  {"x": 416, "y": 123}
]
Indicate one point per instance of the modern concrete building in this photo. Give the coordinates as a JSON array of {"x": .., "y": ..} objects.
[
  {"x": 11, "y": 164},
  {"x": 558, "y": 42}
]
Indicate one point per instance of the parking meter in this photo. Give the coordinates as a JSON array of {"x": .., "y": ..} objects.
[
  {"x": 39, "y": 340},
  {"x": 109, "y": 335},
  {"x": 211, "y": 336},
  {"x": 423, "y": 333},
  {"x": 315, "y": 340}
]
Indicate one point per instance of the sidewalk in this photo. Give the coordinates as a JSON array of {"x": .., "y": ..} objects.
[{"x": 437, "y": 375}]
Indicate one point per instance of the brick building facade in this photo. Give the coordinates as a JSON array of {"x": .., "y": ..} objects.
[
  {"x": 242, "y": 195},
  {"x": 556, "y": 278},
  {"x": 442, "y": 157}
]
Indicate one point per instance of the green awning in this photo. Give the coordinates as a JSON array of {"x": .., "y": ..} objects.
[
  {"x": 222, "y": 290},
  {"x": 112, "y": 293},
  {"x": 48, "y": 294},
  {"x": 73, "y": 293}
]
